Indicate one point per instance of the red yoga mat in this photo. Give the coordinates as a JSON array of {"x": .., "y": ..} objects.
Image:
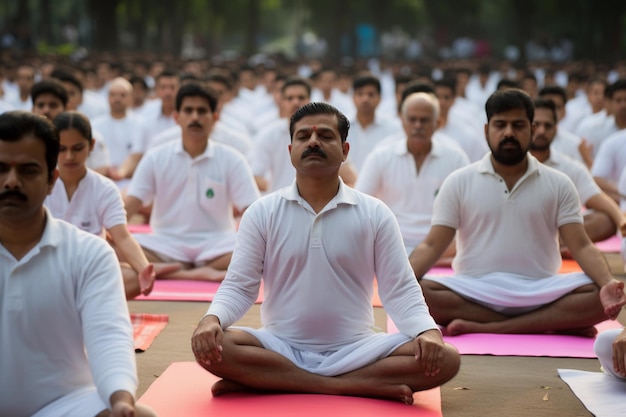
[{"x": 184, "y": 389}]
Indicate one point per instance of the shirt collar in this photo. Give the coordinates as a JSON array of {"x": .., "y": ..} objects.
[
  {"x": 208, "y": 153},
  {"x": 345, "y": 194},
  {"x": 52, "y": 234}
]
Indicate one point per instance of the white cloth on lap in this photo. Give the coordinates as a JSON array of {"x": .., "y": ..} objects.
[
  {"x": 363, "y": 352},
  {"x": 511, "y": 290}
]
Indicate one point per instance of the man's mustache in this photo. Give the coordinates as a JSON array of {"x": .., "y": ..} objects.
[
  {"x": 313, "y": 151},
  {"x": 194, "y": 124},
  {"x": 510, "y": 140},
  {"x": 13, "y": 194}
]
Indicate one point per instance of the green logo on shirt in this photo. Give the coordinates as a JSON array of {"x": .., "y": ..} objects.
[{"x": 210, "y": 193}]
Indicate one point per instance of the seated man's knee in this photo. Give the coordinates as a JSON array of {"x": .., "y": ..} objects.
[{"x": 603, "y": 346}]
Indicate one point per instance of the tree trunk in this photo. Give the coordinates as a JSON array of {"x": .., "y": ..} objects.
[
  {"x": 252, "y": 27},
  {"x": 105, "y": 25}
]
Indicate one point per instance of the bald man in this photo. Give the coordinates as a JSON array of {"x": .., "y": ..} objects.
[
  {"x": 406, "y": 175},
  {"x": 123, "y": 132}
]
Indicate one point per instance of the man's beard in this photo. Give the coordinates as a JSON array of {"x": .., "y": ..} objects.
[
  {"x": 509, "y": 156},
  {"x": 539, "y": 146}
]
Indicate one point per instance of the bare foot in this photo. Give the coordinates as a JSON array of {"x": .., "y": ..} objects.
[
  {"x": 399, "y": 392},
  {"x": 590, "y": 332},
  {"x": 224, "y": 386},
  {"x": 163, "y": 268},
  {"x": 460, "y": 326}
]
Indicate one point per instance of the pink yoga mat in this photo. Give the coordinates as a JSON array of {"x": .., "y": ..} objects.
[
  {"x": 523, "y": 344},
  {"x": 184, "y": 389},
  {"x": 611, "y": 245},
  {"x": 185, "y": 290},
  {"x": 139, "y": 228}
]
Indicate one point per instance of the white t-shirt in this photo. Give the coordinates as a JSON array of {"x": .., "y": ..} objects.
[
  {"x": 390, "y": 174},
  {"x": 473, "y": 142},
  {"x": 122, "y": 137},
  {"x": 507, "y": 231},
  {"x": 362, "y": 141},
  {"x": 64, "y": 322},
  {"x": 577, "y": 172},
  {"x": 95, "y": 206},
  {"x": 269, "y": 157},
  {"x": 596, "y": 128},
  {"x": 567, "y": 143},
  {"x": 329, "y": 259},
  {"x": 611, "y": 158},
  {"x": 155, "y": 122},
  {"x": 99, "y": 155},
  {"x": 193, "y": 197}
]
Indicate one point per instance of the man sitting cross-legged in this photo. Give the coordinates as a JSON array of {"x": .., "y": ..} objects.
[
  {"x": 507, "y": 211},
  {"x": 318, "y": 246},
  {"x": 194, "y": 184}
]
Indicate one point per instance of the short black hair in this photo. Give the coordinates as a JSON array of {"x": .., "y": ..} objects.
[
  {"x": 296, "y": 80},
  {"x": 364, "y": 79},
  {"x": 447, "y": 82},
  {"x": 314, "y": 108},
  {"x": 135, "y": 79},
  {"x": 554, "y": 90},
  {"x": 544, "y": 103},
  {"x": 67, "y": 77},
  {"x": 616, "y": 86},
  {"x": 505, "y": 100},
  {"x": 15, "y": 125},
  {"x": 50, "y": 86},
  {"x": 221, "y": 77},
  {"x": 508, "y": 83},
  {"x": 196, "y": 90},
  {"x": 167, "y": 74}
]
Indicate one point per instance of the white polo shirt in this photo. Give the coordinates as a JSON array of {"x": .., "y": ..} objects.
[
  {"x": 472, "y": 141},
  {"x": 507, "y": 231},
  {"x": 269, "y": 157},
  {"x": 155, "y": 122},
  {"x": 318, "y": 270},
  {"x": 577, "y": 172},
  {"x": 567, "y": 143},
  {"x": 99, "y": 155},
  {"x": 611, "y": 158},
  {"x": 193, "y": 197},
  {"x": 390, "y": 174},
  {"x": 64, "y": 322},
  {"x": 122, "y": 137},
  {"x": 96, "y": 204},
  {"x": 596, "y": 128},
  {"x": 363, "y": 140}
]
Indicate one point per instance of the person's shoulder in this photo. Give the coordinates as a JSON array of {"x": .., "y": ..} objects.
[
  {"x": 162, "y": 149},
  {"x": 446, "y": 148},
  {"x": 100, "y": 181},
  {"x": 616, "y": 138},
  {"x": 564, "y": 134},
  {"x": 561, "y": 159},
  {"x": 554, "y": 174},
  {"x": 100, "y": 120},
  {"x": 74, "y": 239}
]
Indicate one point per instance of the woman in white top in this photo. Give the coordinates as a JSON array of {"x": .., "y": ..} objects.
[{"x": 93, "y": 203}]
